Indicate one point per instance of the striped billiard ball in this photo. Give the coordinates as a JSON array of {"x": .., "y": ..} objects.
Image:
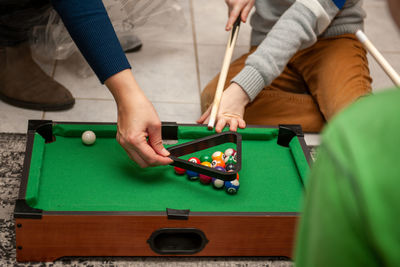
[
  {"x": 218, "y": 162},
  {"x": 230, "y": 159},
  {"x": 218, "y": 155},
  {"x": 194, "y": 160},
  {"x": 231, "y": 187},
  {"x": 229, "y": 152}
]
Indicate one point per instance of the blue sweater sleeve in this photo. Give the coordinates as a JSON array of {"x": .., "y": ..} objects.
[{"x": 90, "y": 27}]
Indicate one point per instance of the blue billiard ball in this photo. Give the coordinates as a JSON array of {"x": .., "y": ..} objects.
[
  {"x": 231, "y": 187},
  {"x": 192, "y": 175}
]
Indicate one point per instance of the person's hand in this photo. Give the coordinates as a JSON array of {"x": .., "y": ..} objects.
[
  {"x": 139, "y": 128},
  {"x": 139, "y": 132},
  {"x": 236, "y": 7},
  {"x": 231, "y": 109}
]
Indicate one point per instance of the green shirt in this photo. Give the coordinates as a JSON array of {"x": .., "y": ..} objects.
[{"x": 352, "y": 205}]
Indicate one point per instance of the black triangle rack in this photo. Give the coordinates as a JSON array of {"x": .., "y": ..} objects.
[{"x": 204, "y": 143}]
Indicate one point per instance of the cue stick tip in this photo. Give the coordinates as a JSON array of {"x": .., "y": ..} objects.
[
  {"x": 361, "y": 36},
  {"x": 211, "y": 123}
]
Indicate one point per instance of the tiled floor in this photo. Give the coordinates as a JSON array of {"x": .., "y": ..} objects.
[{"x": 177, "y": 61}]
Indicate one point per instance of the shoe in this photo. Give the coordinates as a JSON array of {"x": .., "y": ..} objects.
[
  {"x": 24, "y": 84},
  {"x": 130, "y": 43}
]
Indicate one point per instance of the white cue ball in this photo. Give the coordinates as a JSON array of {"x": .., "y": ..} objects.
[
  {"x": 88, "y": 138},
  {"x": 218, "y": 183}
]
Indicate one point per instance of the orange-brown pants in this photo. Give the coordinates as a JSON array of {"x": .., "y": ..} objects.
[{"x": 317, "y": 83}]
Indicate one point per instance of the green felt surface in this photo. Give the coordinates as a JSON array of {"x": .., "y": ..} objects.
[
  {"x": 299, "y": 159},
  {"x": 68, "y": 176}
]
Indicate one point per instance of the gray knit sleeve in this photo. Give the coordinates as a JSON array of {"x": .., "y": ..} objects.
[{"x": 296, "y": 29}]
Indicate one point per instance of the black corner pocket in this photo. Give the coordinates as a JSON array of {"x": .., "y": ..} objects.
[
  {"x": 287, "y": 132},
  {"x": 177, "y": 241}
]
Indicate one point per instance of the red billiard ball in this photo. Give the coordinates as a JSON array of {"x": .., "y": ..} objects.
[
  {"x": 194, "y": 160},
  {"x": 179, "y": 171},
  {"x": 204, "y": 179}
]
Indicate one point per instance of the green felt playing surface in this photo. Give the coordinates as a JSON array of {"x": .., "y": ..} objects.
[{"x": 66, "y": 175}]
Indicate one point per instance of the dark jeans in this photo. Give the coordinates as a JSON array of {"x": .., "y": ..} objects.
[{"x": 17, "y": 17}]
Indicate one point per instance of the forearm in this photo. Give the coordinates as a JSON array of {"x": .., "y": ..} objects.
[
  {"x": 123, "y": 87},
  {"x": 297, "y": 28},
  {"x": 127, "y": 93},
  {"x": 91, "y": 29}
]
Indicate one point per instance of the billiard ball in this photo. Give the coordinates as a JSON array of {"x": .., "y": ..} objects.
[
  {"x": 218, "y": 155},
  {"x": 204, "y": 158},
  {"x": 204, "y": 179},
  {"x": 231, "y": 187},
  {"x": 218, "y": 162},
  {"x": 220, "y": 168},
  {"x": 229, "y": 152},
  {"x": 217, "y": 183},
  {"x": 207, "y": 164},
  {"x": 230, "y": 159},
  {"x": 179, "y": 171},
  {"x": 230, "y": 167},
  {"x": 192, "y": 175},
  {"x": 88, "y": 138},
  {"x": 194, "y": 160}
]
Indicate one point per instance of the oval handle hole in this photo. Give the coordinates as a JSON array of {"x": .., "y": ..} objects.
[{"x": 177, "y": 241}]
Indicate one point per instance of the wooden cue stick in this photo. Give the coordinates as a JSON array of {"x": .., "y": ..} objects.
[
  {"x": 224, "y": 72},
  {"x": 379, "y": 58}
]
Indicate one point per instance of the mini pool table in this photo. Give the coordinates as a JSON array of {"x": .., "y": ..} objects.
[{"x": 78, "y": 200}]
